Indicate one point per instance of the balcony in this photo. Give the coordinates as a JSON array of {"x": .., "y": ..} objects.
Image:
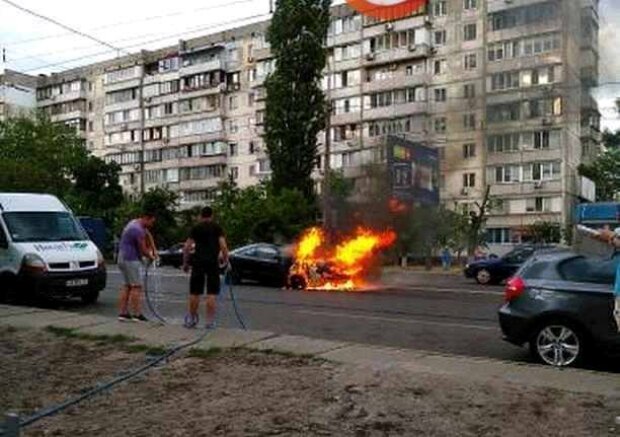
[
  {"x": 346, "y": 118},
  {"x": 523, "y": 156},
  {"x": 416, "y": 51},
  {"x": 396, "y": 111},
  {"x": 73, "y": 115},
  {"x": 529, "y": 188},
  {"x": 261, "y": 54},
  {"x": 62, "y": 98},
  {"x": 213, "y": 65},
  {"x": 123, "y": 84},
  {"x": 400, "y": 81}
]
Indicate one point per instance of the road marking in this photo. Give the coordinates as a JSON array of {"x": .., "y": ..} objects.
[{"x": 397, "y": 320}]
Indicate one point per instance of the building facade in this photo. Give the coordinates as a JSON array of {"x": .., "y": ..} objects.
[
  {"x": 500, "y": 88},
  {"x": 17, "y": 94}
]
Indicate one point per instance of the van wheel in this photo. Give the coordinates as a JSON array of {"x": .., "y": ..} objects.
[
  {"x": 90, "y": 298},
  {"x": 7, "y": 287},
  {"x": 558, "y": 343}
]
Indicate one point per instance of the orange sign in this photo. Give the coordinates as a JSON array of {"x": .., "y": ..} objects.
[{"x": 387, "y": 9}]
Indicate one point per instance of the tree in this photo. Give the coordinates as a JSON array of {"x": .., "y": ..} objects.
[
  {"x": 604, "y": 171},
  {"x": 295, "y": 110},
  {"x": 611, "y": 140},
  {"x": 474, "y": 230},
  {"x": 96, "y": 190},
  {"x": 38, "y": 155},
  {"x": 544, "y": 232},
  {"x": 159, "y": 201}
]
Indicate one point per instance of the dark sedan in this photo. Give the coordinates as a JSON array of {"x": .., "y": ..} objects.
[
  {"x": 262, "y": 262},
  {"x": 561, "y": 304},
  {"x": 172, "y": 256},
  {"x": 497, "y": 270}
]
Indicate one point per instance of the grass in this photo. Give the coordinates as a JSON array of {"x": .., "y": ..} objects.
[
  {"x": 146, "y": 349},
  {"x": 204, "y": 353},
  {"x": 100, "y": 338}
]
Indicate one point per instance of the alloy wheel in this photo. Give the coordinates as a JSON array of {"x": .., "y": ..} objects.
[{"x": 558, "y": 345}]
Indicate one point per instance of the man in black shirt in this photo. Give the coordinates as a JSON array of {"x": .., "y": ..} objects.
[{"x": 210, "y": 248}]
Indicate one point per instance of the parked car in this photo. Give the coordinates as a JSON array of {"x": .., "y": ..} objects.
[
  {"x": 261, "y": 262},
  {"x": 494, "y": 270},
  {"x": 173, "y": 256},
  {"x": 561, "y": 304}
]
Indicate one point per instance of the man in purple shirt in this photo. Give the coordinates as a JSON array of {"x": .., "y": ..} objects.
[{"x": 135, "y": 244}]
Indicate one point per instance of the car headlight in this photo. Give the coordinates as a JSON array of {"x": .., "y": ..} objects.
[
  {"x": 34, "y": 262},
  {"x": 100, "y": 259}
]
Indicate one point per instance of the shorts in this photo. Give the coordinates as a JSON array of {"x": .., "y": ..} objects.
[
  {"x": 130, "y": 271},
  {"x": 197, "y": 280}
]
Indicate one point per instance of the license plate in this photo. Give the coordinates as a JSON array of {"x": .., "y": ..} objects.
[{"x": 77, "y": 282}]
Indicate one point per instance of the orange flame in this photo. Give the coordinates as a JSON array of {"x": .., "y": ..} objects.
[{"x": 343, "y": 267}]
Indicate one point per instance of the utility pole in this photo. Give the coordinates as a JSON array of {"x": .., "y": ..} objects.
[
  {"x": 327, "y": 157},
  {"x": 141, "y": 133}
]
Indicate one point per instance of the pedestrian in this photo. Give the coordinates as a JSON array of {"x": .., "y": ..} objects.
[
  {"x": 210, "y": 251},
  {"x": 134, "y": 249},
  {"x": 613, "y": 238},
  {"x": 446, "y": 258}
]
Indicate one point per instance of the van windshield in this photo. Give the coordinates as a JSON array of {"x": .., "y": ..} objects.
[{"x": 29, "y": 227}]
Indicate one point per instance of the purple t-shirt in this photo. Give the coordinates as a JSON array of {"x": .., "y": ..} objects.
[{"x": 129, "y": 246}]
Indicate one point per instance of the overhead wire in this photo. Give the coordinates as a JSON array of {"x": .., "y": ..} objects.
[
  {"x": 58, "y": 23},
  {"x": 123, "y": 23}
]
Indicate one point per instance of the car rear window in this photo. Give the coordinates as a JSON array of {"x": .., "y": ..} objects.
[{"x": 590, "y": 270}]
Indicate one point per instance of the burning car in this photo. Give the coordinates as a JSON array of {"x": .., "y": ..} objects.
[{"x": 346, "y": 265}]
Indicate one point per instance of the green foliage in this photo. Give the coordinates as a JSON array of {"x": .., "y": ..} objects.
[
  {"x": 38, "y": 155},
  {"x": 295, "y": 106},
  {"x": 604, "y": 171},
  {"x": 611, "y": 140},
  {"x": 544, "y": 232},
  {"x": 159, "y": 201},
  {"x": 259, "y": 213}
]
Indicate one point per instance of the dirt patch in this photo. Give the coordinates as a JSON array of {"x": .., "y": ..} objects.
[{"x": 246, "y": 393}]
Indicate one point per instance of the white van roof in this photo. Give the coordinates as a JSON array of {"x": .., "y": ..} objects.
[{"x": 27, "y": 202}]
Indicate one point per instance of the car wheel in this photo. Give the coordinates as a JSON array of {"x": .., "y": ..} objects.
[
  {"x": 235, "y": 277},
  {"x": 558, "y": 343},
  {"x": 483, "y": 277},
  {"x": 90, "y": 298}
]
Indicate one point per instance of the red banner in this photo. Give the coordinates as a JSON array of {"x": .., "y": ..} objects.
[{"x": 387, "y": 9}]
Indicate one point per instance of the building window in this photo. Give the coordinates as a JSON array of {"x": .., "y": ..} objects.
[
  {"x": 252, "y": 148},
  {"x": 469, "y": 121},
  {"x": 91, "y": 126},
  {"x": 440, "y": 66},
  {"x": 232, "y": 149},
  {"x": 469, "y": 90},
  {"x": 439, "y": 37},
  {"x": 441, "y": 94},
  {"x": 440, "y": 8},
  {"x": 503, "y": 143},
  {"x": 470, "y": 61},
  {"x": 498, "y": 236},
  {"x": 469, "y": 150},
  {"x": 470, "y": 32},
  {"x": 234, "y": 173},
  {"x": 233, "y": 103},
  {"x": 440, "y": 125},
  {"x": 470, "y": 4},
  {"x": 469, "y": 180},
  {"x": 538, "y": 204}
]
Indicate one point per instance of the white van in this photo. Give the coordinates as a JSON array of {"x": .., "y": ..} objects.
[{"x": 44, "y": 251}]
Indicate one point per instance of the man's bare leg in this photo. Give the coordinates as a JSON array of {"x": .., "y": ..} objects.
[
  {"x": 123, "y": 300},
  {"x": 194, "y": 303},
  {"x": 211, "y": 307},
  {"x": 135, "y": 300}
]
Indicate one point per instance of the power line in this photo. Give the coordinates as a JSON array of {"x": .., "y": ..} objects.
[
  {"x": 64, "y": 26},
  {"x": 122, "y": 23},
  {"x": 92, "y": 55}
]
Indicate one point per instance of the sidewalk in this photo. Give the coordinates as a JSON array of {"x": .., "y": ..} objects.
[{"x": 361, "y": 356}]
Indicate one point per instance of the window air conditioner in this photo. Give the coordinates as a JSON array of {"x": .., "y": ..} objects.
[
  {"x": 538, "y": 185},
  {"x": 124, "y": 126},
  {"x": 465, "y": 191},
  {"x": 389, "y": 27},
  {"x": 370, "y": 56},
  {"x": 413, "y": 47},
  {"x": 428, "y": 21}
]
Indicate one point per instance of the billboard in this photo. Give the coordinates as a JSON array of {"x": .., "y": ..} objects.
[
  {"x": 414, "y": 171},
  {"x": 388, "y": 9}
]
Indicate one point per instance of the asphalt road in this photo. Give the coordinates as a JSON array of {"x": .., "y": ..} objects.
[{"x": 433, "y": 312}]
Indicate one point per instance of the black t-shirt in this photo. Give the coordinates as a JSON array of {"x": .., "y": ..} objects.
[{"x": 206, "y": 235}]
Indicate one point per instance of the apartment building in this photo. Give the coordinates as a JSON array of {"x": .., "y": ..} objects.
[
  {"x": 17, "y": 94},
  {"x": 500, "y": 88}
]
